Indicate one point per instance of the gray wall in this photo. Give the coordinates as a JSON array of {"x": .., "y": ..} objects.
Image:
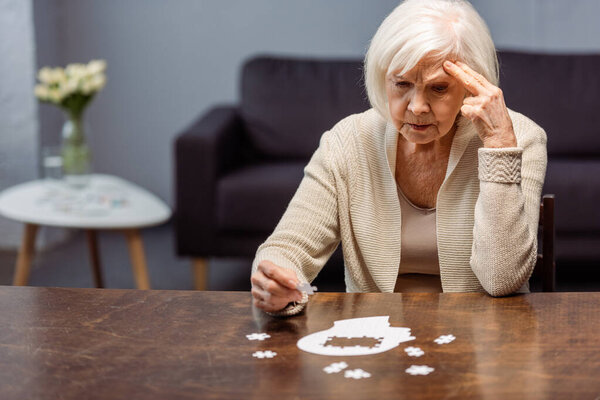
[
  {"x": 18, "y": 125},
  {"x": 169, "y": 61},
  {"x": 552, "y": 26}
]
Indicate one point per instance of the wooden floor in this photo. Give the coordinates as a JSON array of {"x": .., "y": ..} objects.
[{"x": 68, "y": 265}]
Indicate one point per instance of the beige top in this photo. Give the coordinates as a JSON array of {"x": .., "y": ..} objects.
[
  {"x": 487, "y": 210},
  {"x": 419, "y": 265}
]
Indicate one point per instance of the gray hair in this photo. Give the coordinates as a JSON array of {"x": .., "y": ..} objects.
[{"x": 415, "y": 29}]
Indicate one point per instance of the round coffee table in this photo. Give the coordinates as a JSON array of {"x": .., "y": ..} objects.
[{"x": 106, "y": 203}]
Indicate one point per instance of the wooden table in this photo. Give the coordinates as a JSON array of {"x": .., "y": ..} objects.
[{"x": 130, "y": 344}]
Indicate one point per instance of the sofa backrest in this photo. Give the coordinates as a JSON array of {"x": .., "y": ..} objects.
[
  {"x": 288, "y": 103},
  {"x": 561, "y": 93}
]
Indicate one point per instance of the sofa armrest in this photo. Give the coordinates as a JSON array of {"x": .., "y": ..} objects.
[{"x": 212, "y": 145}]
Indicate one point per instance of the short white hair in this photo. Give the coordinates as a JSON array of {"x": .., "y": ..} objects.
[{"x": 417, "y": 29}]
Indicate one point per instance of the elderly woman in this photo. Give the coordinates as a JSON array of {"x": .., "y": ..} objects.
[{"x": 436, "y": 188}]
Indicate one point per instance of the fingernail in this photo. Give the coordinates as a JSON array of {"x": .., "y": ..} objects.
[
  {"x": 447, "y": 63},
  {"x": 292, "y": 283}
]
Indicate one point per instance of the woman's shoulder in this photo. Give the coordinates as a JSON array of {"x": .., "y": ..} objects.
[{"x": 526, "y": 130}]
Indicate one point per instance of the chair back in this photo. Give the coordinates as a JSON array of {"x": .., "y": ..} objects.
[{"x": 545, "y": 267}]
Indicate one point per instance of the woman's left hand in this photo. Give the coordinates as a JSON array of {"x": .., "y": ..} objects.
[{"x": 486, "y": 107}]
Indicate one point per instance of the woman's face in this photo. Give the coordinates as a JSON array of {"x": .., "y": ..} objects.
[{"x": 424, "y": 102}]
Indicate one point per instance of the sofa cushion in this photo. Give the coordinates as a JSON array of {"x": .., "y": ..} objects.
[
  {"x": 560, "y": 93},
  {"x": 576, "y": 184},
  {"x": 287, "y": 104},
  {"x": 573, "y": 247},
  {"x": 253, "y": 199}
]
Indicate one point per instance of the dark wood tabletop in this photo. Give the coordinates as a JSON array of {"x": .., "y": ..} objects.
[{"x": 130, "y": 344}]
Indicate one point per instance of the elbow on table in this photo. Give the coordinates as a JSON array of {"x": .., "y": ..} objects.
[
  {"x": 505, "y": 272},
  {"x": 500, "y": 282},
  {"x": 499, "y": 291}
]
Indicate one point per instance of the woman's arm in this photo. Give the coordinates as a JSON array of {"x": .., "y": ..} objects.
[
  {"x": 308, "y": 232},
  {"x": 504, "y": 249},
  {"x": 511, "y": 173}
]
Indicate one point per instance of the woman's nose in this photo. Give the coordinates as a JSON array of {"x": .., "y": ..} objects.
[{"x": 418, "y": 103}]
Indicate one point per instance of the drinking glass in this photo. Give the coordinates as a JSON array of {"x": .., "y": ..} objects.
[{"x": 52, "y": 163}]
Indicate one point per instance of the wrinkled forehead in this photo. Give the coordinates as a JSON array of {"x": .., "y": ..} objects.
[{"x": 427, "y": 69}]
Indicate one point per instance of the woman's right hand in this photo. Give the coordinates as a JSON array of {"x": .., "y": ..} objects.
[{"x": 274, "y": 287}]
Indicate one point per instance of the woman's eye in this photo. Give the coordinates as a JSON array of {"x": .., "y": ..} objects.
[{"x": 440, "y": 88}]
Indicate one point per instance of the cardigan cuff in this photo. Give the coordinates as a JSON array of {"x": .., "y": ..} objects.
[{"x": 500, "y": 165}]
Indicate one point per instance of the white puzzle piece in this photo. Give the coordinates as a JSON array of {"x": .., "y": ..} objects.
[
  {"x": 264, "y": 354},
  {"x": 419, "y": 370},
  {"x": 258, "y": 336},
  {"x": 445, "y": 339},
  {"x": 355, "y": 337},
  {"x": 306, "y": 287},
  {"x": 335, "y": 367},
  {"x": 356, "y": 374},
  {"x": 414, "y": 351}
]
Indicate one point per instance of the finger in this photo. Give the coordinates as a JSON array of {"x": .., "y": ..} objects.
[
  {"x": 281, "y": 292},
  {"x": 468, "y": 81},
  {"x": 480, "y": 78},
  {"x": 268, "y": 307},
  {"x": 260, "y": 294},
  {"x": 284, "y": 277},
  {"x": 472, "y": 101},
  {"x": 259, "y": 280},
  {"x": 271, "y": 304},
  {"x": 265, "y": 285},
  {"x": 262, "y": 305},
  {"x": 469, "y": 111}
]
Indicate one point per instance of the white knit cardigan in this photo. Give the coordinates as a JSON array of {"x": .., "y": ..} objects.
[{"x": 487, "y": 210}]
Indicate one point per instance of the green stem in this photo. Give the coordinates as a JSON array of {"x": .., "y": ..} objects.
[{"x": 75, "y": 152}]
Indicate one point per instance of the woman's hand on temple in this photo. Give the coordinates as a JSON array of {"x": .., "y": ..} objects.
[
  {"x": 486, "y": 108},
  {"x": 274, "y": 287}
]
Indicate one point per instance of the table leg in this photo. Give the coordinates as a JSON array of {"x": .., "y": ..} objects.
[
  {"x": 200, "y": 272},
  {"x": 25, "y": 256},
  {"x": 138, "y": 259},
  {"x": 92, "y": 242}
]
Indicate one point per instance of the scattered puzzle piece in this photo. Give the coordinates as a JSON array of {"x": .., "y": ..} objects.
[
  {"x": 356, "y": 374},
  {"x": 258, "y": 336},
  {"x": 445, "y": 339},
  {"x": 414, "y": 351},
  {"x": 419, "y": 370},
  {"x": 335, "y": 367},
  {"x": 264, "y": 354},
  {"x": 306, "y": 287}
]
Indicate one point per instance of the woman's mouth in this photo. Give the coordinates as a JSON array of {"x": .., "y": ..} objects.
[{"x": 418, "y": 127}]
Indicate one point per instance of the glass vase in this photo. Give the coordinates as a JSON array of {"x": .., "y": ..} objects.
[{"x": 75, "y": 152}]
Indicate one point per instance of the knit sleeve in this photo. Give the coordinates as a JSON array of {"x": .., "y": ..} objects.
[
  {"x": 504, "y": 249},
  {"x": 308, "y": 232}
]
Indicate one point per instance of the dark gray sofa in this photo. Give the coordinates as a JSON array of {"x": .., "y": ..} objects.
[
  {"x": 237, "y": 166},
  {"x": 562, "y": 94}
]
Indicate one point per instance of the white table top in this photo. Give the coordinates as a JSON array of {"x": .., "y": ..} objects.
[{"x": 108, "y": 202}]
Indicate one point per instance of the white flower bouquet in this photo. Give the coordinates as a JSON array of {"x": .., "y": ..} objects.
[{"x": 72, "y": 89}]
